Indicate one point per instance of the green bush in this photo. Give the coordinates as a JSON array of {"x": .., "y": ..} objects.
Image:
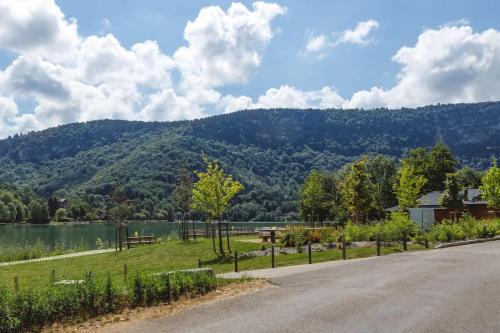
[{"x": 30, "y": 309}]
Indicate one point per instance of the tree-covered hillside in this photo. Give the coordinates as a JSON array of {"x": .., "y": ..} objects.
[{"x": 269, "y": 151}]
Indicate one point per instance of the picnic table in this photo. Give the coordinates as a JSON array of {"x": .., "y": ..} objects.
[{"x": 266, "y": 233}]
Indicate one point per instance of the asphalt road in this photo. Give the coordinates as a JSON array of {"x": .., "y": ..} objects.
[{"x": 447, "y": 290}]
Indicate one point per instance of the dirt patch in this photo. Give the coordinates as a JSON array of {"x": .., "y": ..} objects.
[{"x": 114, "y": 321}]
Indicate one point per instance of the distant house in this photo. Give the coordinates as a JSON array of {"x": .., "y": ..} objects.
[{"x": 429, "y": 211}]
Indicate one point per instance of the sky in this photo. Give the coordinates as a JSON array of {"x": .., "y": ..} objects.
[{"x": 70, "y": 61}]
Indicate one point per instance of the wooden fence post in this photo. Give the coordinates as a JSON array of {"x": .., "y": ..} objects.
[
  {"x": 199, "y": 263},
  {"x": 309, "y": 251},
  {"x": 236, "y": 261},
  {"x": 378, "y": 245},
  {"x": 272, "y": 257},
  {"x": 16, "y": 283},
  {"x": 405, "y": 245},
  {"x": 344, "y": 250},
  {"x": 53, "y": 276},
  {"x": 426, "y": 243}
]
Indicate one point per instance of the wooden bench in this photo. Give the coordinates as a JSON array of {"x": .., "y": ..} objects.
[{"x": 140, "y": 240}]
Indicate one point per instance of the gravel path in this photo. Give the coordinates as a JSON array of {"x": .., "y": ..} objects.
[{"x": 62, "y": 256}]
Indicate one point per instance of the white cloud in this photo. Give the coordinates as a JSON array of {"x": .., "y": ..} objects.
[
  {"x": 284, "y": 97},
  {"x": 225, "y": 47},
  {"x": 447, "y": 65},
  {"x": 75, "y": 78},
  {"x": 358, "y": 35},
  {"x": 320, "y": 44},
  {"x": 37, "y": 28}
]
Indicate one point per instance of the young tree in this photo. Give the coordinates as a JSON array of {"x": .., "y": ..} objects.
[
  {"x": 312, "y": 195},
  {"x": 357, "y": 191},
  {"x": 409, "y": 185},
  {"x": 212, "y": 193},
  {"x": 183, "y": 198},
  {"x": 382, "y": 173},
  {"x": 490, "y": 190},
  {"x": 453, "y": 196},
  {"x": 119, "y": 212}
]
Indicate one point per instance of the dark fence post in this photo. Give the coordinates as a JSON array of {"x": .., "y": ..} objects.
[
  {"x": 53, "y": 276},
  {"x": 309, "y": 251},
  {"x": 378, "y": 245},
  {"x": 344, "y": 250},
  {"x": 272, "y": 256},
  {"x": 16, "y": 283},
  {"x": 236, "y": 261},
  {"x": 405, "y": 245},
  {"x": 199, "y": 263},
  {"x": 125, "y": 271},
  {"x": 426, "y": 243}
]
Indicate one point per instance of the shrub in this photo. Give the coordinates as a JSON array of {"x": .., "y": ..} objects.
[{"x": 30, "y": 309}]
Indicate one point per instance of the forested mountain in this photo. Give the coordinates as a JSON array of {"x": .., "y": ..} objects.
[{"x": 269, "y": 151}]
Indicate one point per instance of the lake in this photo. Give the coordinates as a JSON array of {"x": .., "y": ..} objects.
[{"x": 71, "y": 235}]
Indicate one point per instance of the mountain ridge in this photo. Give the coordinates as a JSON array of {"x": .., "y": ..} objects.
[{"x": 270, "y": 151}]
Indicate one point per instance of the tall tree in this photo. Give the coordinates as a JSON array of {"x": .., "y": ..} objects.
[
  {"x": 433, "y": 165},
  {"x": 440, "y": 163},
  {"x": 312, "y": 195},
  {"x": 212, "y": 193},
  {"x": 468, "y": 177},
  {"x": 453, "y": 196},
  {"x": 183, "y": 195},
  {"x": 382, "y": 173},
  {"x": 408, "y": 186},
  {"x": 39, "y": 212},
  {"x": 357, "y": 191},
  {"x": 490, "y": 190}
]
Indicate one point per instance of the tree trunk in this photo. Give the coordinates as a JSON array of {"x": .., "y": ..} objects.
[
  {"x": 213, "y": 238},
  {"x": 227, "y": 237},
  {"x": 221, "y": 245}
]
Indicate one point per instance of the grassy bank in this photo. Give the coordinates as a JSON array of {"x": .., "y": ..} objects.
[{"x": 169, "y": 255}]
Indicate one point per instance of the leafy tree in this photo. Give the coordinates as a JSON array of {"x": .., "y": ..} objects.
[
  {"x": 39, "y": 212},
  {"x": 409, "y": 186},
  {"x": 212, "y": 193},
  {"x": 453, "y": 196},
  {"x": 490, "y": 190},
  {"x": 183, "y": 195},
  {"x": 433, "y": 165},
  {"x": 4, "y": 213},
  {"x": 60, "y": 214},
  {"x": 468, "y": 177},
  {"x": 382, "y": 174},
  {"x": 53, "y": 205},
  {"x": 440, "y": 163},
  {"x": 357, "y": 191},
  {"x": 312, "y": 195}
]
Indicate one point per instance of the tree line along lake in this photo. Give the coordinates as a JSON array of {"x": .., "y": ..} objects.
[{"x": 84, "y": 236}]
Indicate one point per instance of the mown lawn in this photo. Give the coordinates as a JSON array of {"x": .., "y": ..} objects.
[{"x": 170, "y": 255}]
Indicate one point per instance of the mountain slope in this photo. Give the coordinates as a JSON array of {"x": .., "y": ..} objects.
[{"x": 270, "y": 151}]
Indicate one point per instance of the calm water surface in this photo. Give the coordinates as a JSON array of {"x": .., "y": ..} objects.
[{"x": 71, "y": 235}]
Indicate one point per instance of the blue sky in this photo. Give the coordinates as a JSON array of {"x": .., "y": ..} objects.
[{"x": 55, "y": 70}]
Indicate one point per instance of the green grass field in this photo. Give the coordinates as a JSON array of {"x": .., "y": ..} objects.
[{"x": 166, "y": 256}]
